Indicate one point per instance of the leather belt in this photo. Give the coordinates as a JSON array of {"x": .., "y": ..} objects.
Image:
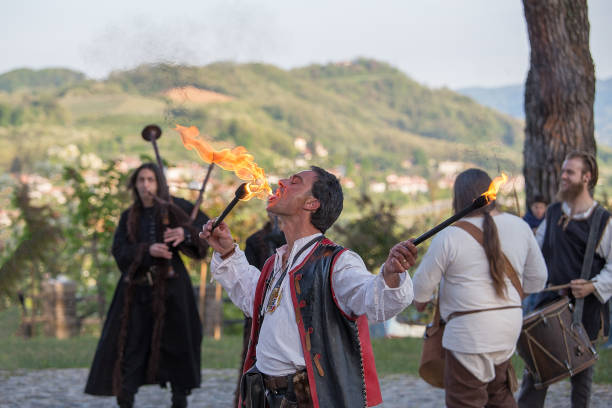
[
  {"x": 276, "y": 383},
  {"x": 281, "y": 383},
  {"x": 148, "y": 277}
]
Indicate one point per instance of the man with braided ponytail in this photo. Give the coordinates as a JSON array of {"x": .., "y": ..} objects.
[
  {"x": 564, "y": 236},
  {"x": 482, "y": 263},
  {"x": 152, "y": 333}
]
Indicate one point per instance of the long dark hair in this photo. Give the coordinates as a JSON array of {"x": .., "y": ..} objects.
[
  {"x": 469, "y": 185},
  {"x": 137, "y": 206},
  {"x": 134, "y": 177}
]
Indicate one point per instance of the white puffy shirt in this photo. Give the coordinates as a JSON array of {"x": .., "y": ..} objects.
[{"x": 357, "y": 291}]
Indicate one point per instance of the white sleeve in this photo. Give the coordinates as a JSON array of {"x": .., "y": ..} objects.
[
  {"x": 238, "y": 278},
  {"x": 603, "y": 286},
  {"x": 359, "y": 292},
  {"x": 535, "y": 273},
  {"x": 430, "y": 270}
]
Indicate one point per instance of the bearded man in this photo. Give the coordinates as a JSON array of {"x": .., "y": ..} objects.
[
  {"x": 311, "y": 303},
  {"x": 563, "y": 237}
]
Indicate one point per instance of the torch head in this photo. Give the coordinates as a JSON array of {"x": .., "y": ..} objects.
[
  {"x": 151, "y": 132},
  {"x": 480, "y": 202},
  {"x": 242, "y": 191}
]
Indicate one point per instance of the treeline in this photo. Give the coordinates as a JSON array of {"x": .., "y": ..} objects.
[
  {"x": 32, "y": 110},
  {"x": 361, "y": 115},
  {"x": 43, "y": 78},
  {"x": 362, "y": 84}
]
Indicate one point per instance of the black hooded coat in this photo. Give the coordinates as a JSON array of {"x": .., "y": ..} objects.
[{"x": 123, "y": 358}]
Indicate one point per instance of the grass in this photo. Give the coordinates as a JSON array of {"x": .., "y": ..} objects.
[
  {"x": 393, "y": 356},
  {"x": 43, "y": 352}
]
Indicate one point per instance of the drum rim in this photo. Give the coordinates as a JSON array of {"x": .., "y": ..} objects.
[{"x": 547, "y": 309}]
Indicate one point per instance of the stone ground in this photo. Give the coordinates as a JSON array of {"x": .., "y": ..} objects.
[{"x": 64, "y": 388}]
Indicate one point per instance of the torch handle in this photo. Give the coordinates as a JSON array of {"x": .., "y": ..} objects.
[
  {"x": 225, "y": 212},
  {"x": 445, "y": 224}
]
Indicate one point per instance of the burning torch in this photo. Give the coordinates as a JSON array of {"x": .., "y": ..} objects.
[
  {"x": 241, "y": 192},
  {"x": 237, "y": 160},
  {"x": 482, "y": 200}
]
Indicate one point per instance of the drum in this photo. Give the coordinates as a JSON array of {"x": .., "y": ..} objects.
[{"x": 553, "y": 347}]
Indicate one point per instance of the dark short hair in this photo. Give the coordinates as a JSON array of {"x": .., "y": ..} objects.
[
  {"x": 326, "y": 188},
  {"x": 132, "y": 182},
  {"x": 589, "y": 163},
  {"x": 539, "y": 199}
]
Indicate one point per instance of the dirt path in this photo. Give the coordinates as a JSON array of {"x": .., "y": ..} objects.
[{"x": 64, "y": 389}]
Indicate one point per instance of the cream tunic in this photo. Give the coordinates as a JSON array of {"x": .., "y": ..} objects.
[{"x": 458, "y": 262}]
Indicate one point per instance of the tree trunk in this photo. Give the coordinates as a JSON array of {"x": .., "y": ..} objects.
[{"x": 559, "y": 92}]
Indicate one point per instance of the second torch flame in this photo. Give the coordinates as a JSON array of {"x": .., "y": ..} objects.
[
  {"x": 238, "y": 160},
  {"x": 480, "y": 201},
  {"x": 491, "y": 193}
]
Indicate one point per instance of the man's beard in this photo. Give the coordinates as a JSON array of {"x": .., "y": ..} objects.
[{"x": 572, "y": 191}]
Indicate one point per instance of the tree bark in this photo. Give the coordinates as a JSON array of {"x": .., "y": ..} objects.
[{"x": 559, "y": 92}]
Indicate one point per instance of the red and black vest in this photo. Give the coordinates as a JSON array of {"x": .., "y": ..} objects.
[{"x": 337, "y": 349}]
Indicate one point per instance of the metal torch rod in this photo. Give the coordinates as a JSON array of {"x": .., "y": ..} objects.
[
  {"x": 241, "y": 192},
  {"x": 198, "y": 202},
  {"x": 476, "y": 204},
  {"x": 225, "y": 212}
]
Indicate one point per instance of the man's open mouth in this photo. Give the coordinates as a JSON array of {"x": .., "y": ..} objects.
[{"x": 275, "y": 196}]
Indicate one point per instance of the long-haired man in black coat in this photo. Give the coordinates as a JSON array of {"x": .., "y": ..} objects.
[{"x": 152, "y": 333}]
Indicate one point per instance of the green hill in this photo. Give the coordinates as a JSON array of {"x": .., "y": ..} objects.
[
  {"x": 43, "y": 78},
  {"x": 362, "y": 114}
]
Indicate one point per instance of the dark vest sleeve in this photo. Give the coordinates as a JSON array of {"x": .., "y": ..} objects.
[{"x": 337, "y": 348}]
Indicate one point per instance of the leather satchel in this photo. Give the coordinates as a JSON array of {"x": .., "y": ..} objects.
[{"x": 431, "y": 366}]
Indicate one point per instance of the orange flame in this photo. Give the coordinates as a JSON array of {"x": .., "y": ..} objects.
[
  {"x": 491, "y": 193},
  {"x": 237, "y": 160}
]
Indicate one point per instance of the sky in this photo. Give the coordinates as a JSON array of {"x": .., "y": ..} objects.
[{"x": 436, "y": 42}]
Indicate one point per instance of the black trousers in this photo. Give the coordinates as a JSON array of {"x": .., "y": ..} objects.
[{"x": 530, "y": 397}]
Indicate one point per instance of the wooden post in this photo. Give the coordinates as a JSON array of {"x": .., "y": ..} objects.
[
  {"x": 202, "y": 297},
  {"x": 219, "y": 317}
]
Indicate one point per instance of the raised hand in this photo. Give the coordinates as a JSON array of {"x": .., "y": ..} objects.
[
  {"x": 220, "y": 239},
  {"x": 174, "y": 236},
  {"x": 159, "y": 250},
  {"x": 402, "y": 256}
]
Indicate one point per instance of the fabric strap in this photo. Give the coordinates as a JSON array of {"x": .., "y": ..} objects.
[
  {"x": 476, "y": 232},
  {"x": 587, "y": 262},
  {"x": 509, "y": 270}
]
